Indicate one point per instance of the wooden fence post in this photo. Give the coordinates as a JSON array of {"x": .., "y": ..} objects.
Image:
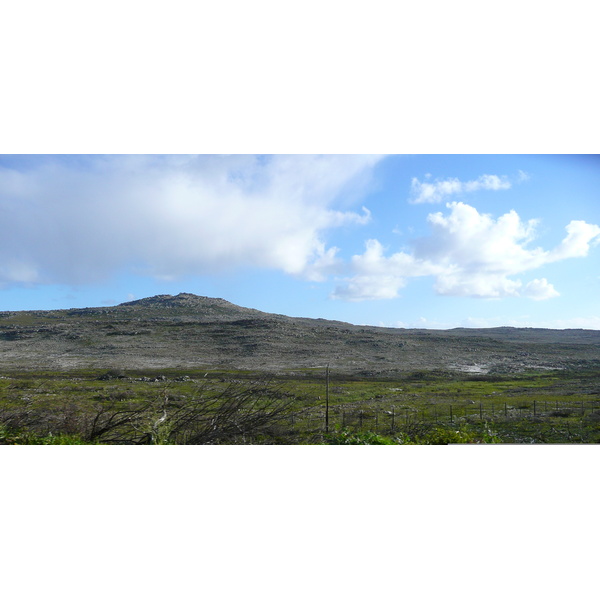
[{"x": 327, "y": 399}]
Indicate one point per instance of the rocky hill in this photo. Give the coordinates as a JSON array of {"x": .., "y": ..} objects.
[{"x": 189, "y": 331}]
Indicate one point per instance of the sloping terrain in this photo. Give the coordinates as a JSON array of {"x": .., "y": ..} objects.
[{"x": 189, "y": 331}]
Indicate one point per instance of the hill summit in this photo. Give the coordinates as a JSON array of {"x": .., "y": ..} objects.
[
  {"x": 191, "y": 306},
  {"x": 181, "y": 300}
]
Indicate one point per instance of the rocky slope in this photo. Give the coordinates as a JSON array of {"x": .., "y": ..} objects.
[{"x": 189, "y": 331}]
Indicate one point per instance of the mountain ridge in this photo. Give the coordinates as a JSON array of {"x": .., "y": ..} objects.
[{"x": 199, "y": 332}]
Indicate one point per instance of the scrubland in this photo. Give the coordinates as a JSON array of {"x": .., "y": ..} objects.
[{"x": 191, "y": 370}]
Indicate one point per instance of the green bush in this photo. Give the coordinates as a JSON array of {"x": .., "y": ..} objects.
[
  {"x": 463, "y": 435},
  {"x": 17, "y": 437},
  {"x": 346, "y": 437}
]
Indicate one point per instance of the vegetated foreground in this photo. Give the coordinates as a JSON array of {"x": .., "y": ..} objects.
[{"x": 192, "y": 370}]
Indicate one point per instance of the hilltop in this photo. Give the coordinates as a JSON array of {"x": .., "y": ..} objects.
[{"x": 190, "y": 331}]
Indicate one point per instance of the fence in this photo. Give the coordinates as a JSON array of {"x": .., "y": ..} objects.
[{"x": 388, "y": 420}]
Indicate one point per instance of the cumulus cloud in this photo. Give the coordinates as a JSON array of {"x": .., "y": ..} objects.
[
  {"x": 77, "y": 219},
  {"x": 468, "y": 254},
  {"x": 439, "y": 190},
  {"x": 540, "y": 289},
  {"x": 377, "y": 277},
  {"x": 580, "y": 235}
]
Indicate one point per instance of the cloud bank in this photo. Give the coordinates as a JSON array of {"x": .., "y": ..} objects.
[
  {"x": 81, "y": 220},
  {"x": 75, "y": 220},
  {"x": 468, "y": 254}
]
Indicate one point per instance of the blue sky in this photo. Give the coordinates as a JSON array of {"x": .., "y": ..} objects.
[{"x": 434, "y": 241}]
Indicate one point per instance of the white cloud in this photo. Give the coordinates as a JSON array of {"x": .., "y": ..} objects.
[
  {"x": 469, "y": 254},
  {"x": 327, "y": 263},
  {"x": 498, "y": 242},
  {"x": 475, "y": 285},
  {"x": 18, "y": 271},
  {"x": 377, "y": 277},
  {"x": 426, "y": 192},
  {"x": 540, "y": 289},
  {"x": 369, "y": 287},
  {"x": 577, "y": 243},
  {"x": 75, "y": 219}
]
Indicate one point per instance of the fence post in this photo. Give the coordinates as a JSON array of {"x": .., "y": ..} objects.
[
  {"x": 505, "y": 411},
  {"x": 393, "y": 418},
  {"x": 327, "y": 399},
  {"x": 480, "y": 411},
  {"x": 534, "y": 408},
  {"x": 451, "y": 419}
]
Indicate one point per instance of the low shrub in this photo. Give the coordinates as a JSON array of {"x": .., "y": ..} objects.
[
  {"x": 344, "y": 436},
  {"x": 14, "y": 437},
  {"x": 465, "y": 434}
]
